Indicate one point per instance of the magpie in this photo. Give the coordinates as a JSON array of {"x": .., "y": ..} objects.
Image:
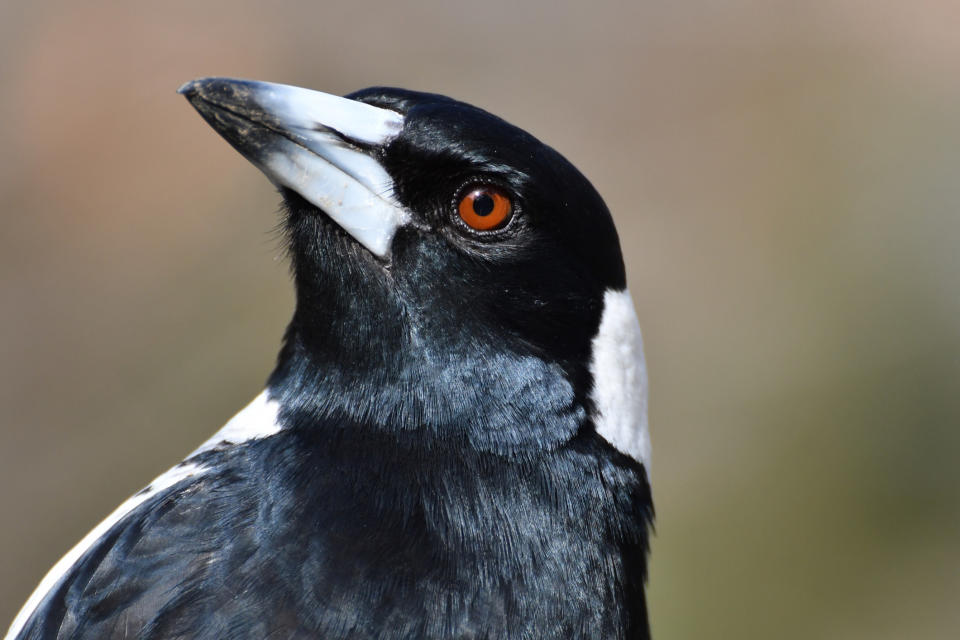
[{"x": 453, "y": 443}]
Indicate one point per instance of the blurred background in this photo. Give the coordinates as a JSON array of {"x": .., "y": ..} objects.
[{"x": 786, "y": 181}]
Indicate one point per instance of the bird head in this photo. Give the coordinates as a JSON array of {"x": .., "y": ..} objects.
[{"x": 453, "y": 273}]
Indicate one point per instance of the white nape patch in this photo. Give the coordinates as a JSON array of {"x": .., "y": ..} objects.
[
  {"x": 620, "y": 378},
  {"x": 306, "y": 111},
  {"x": 255, "y": 421},
  {"x": 370, "y": 216},
  {"x": 181, "y": 472}
]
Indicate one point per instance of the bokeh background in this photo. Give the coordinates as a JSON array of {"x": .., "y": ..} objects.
[{"x": 786, "y": 180}]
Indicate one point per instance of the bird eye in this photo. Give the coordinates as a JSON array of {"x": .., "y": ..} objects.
[{"x": 485, "y": 207}]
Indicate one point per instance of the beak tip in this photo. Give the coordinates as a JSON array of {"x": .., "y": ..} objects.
[
  {"x": 200, "y": 87},
  {"x": 188, "y": 88}
]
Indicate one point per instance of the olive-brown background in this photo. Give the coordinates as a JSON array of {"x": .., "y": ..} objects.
[{"x": 786, "y": 180}]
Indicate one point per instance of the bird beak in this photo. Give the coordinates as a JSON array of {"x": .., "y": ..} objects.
[{"x": 320, "y": 145}]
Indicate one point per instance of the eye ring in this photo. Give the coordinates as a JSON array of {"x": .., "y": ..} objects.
[{"x": 485, "y": 207}]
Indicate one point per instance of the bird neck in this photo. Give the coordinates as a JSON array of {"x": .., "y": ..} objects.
[{"x": 494, "y": 399}]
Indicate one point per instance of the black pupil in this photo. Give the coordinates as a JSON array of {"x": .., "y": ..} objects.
[{"x": 483, "y": 204}]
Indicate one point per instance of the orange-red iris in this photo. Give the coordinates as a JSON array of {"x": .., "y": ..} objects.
[{"x": 485, "y": 208}]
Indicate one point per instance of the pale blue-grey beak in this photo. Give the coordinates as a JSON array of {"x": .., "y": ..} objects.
[{"x": 320, "y": 145}]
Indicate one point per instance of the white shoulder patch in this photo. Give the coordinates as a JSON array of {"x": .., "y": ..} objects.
[
  {"x": 257, "y": 420},
  {"x": 173, "y": 476},
  {"x": 620, "y": 378}
]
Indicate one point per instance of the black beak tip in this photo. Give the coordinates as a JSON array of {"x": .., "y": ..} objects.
[
  {"x": 205, "y": 86},
  {"x": 189, "y": 89},
  {"x": 220, "y": 91}
]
